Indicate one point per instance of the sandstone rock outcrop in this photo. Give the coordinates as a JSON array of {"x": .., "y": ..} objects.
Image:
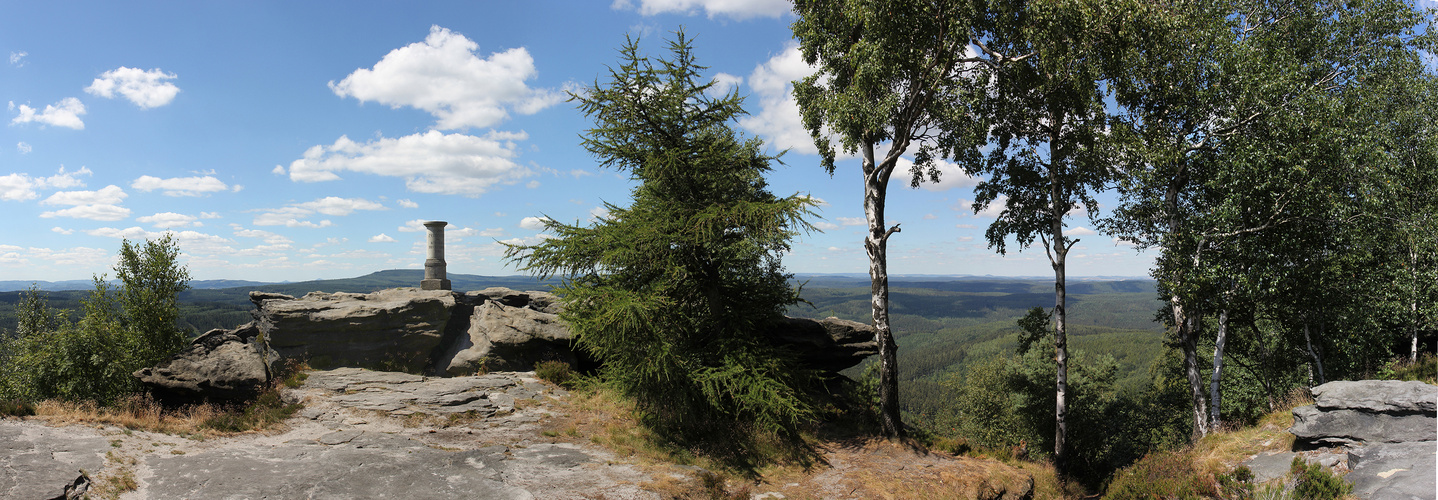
[
  {"x": 1368, "y": 411},
  {"x": 1389, "y": 429},
  {"x": 417, "y": 331},
  {"x": 508, "y": 338},
  {"x": 220, "y": 366},
  {"x": 398, "y": 328},
  {"x": 448, "y": 333},
  {"x": 827, "y": 345}
]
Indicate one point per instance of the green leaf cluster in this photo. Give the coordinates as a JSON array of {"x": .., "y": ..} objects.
[
  {"x": 119, "y": 331},
  {"x": 673, "y": 293}
]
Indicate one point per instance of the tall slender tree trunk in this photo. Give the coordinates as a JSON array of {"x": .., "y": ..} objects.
[
  {"x": 1188, "y": 340},
  {"x": 1058, "y": 207},
  {"x": 1215, "y": 396},
  {"x": 1184, "y": 320},
  {"x": 876, "y": 180},
  {"x": 1413, "y": 307},
  {"x": 1313, "y": 354}
]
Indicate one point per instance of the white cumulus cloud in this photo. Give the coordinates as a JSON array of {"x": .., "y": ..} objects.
[
  {"x": 852, "y": 221},
  {"x": 444, "y": 76},
  {"x": 407, "y": 203},
  {"x": 299, "y": 214},
  {"x": 733, "y": 9},
  {"x": 21, "y": 187},
  {"x": 23, "y": 148},
  {"x": 169, "y": 219},
  {"x": 103, "y": 212},
  {"x": 431, "y": 162},
  {"x": 17, "y": 58},
  {"x": 381, "y": 238},
  {"x": 1080, "y": 231},
  {"x": 65, "y": 113},
  {"x": 147, "y": 89},
  {"x": 778, "y": 120},
  {"x": 180, "y": 186},
  {"x": 532, "y": 223},
  {"x": 108, "y": 195}
]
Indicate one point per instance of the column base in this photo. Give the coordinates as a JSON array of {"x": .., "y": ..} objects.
[{"x": 434, "y": 285}]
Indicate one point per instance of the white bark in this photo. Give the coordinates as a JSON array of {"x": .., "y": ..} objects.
[
  {"x": 1215, "y": 393},
  {"x": 876, "y": 179}
]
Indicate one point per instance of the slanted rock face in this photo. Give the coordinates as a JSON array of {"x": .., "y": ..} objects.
[
  {"x": 827, "y": 345},
  {"x": 396, "y": 328},
  {"x": 508, "y": 338},
  {"x": 1389, "y": 428},
  {"x": 449, "y": 333},
  {"x": 1368, "y": 411},
  {"x": 220, "y": 366}
]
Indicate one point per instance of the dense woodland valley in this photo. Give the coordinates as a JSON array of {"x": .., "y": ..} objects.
[{"x": 1281, "y": 158}]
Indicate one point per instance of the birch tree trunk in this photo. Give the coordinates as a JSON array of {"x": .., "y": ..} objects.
[
  {"x": 1215, "y": 396},
  {"x": 1317, "y": 362},
  {"x": 876, "y": 243},
  {"x": 1413, "y": 307},
  {"x": 1058, "y": 207},
  {"x": 1188, "y": 339}
]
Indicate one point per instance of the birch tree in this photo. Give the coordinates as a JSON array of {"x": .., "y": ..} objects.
[
  {"x": 892, "y": 76},
  {"x": 1048, "y": 123}
]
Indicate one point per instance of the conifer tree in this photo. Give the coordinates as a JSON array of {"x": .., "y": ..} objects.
[{"x": 672, "y": 292}]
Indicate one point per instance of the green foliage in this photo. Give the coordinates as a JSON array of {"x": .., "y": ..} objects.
[
  {"x": 1165, "y": 474},
  {"x": 1424, "y": 369},
  {"x": 52, "y": 357},
  {"x": 670, "y": 292},
  {"x": 152, "y": 279},
  {"x": 267, "y": 409},
  {"x": 558, "y": 372},
  {"x": 1315, "y": 482},
  {"x": 16, "y": 408}
]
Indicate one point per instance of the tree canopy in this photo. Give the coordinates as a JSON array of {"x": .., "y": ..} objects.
[{"x": 674, "y": 292}]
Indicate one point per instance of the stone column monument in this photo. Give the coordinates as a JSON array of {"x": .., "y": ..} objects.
[{"x": 434, "y": 273}]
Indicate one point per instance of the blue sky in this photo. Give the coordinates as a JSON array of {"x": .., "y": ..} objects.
[{"x": 306, "y": 140}]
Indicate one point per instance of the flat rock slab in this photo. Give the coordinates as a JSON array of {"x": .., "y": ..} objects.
[
  {"x": 1314, "y": 425},
  {"x": 1395, "y": 471},
  {"x": 37, "y": 461},
  {"x": 1378, "y": 396},
  {"x": 404, "y": 394},
  {"x": 1270, "y": 466},
  {"x": 338, "y": 448}
]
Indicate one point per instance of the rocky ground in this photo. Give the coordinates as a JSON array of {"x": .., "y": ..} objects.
[
  {"x": 1381, "y": 435},
  {"x": 367, "y": 434}
]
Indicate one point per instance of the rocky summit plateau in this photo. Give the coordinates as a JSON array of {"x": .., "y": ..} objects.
[{"x": 375, "y": 434}]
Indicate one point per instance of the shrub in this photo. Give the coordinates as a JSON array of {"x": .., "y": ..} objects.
[
  {"x": 557, "y": 372},
  {"x": 121, "y": 331},
  {"x": 1315, "y": 482},
  {"x": 16, "y": 408}
]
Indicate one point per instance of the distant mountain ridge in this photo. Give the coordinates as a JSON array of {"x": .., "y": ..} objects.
[{"x": 410, "y": 277}]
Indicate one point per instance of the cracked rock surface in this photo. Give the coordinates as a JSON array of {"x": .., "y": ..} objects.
[{"x": 362, "y": 434}]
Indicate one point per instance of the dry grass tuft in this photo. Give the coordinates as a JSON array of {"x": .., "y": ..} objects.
[{"x": 135, "y": 412}]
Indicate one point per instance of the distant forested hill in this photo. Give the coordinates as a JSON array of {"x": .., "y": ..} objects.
[
  {"x": 942, "y": 325},
  {"x": 205, "y": 307}
]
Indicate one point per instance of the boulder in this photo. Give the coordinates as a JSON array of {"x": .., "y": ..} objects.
[
  {"x": 1316, "y": 426},
  {"x": 509, "y": 337},
  {"x": 221, "y": 366},
  {"x": 1378, "y": 396},
  {"x": 828, "y": 345},
  {"x": 1394, "y": 470},
  {"x": 397, "y": 329},
  {"x": 1368, "y": 411},
  {"x": 540, "y": 301}
]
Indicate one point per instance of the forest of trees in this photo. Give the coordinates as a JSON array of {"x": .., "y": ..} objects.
[{"x": 1282, "y": 157}]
